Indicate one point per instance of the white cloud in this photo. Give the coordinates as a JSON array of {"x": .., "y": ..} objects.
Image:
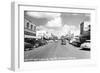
[
  {"x": 43, "y": 15},
  {"x": 34, "y": 14},
  {"x": 43, "y": 28},
  {"x": 62, "y": 30},
  {"x": 56, "y": 22},
  {"x": 40, "y": 28},
  {"x": 54, "y": 19},
  {"x": 69, "y": 28}
]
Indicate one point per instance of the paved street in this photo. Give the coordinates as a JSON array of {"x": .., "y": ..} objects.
[{"x": 55, "y": 50}]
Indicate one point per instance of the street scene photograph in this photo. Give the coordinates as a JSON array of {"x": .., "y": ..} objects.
[{"x": 50, "y": 36}]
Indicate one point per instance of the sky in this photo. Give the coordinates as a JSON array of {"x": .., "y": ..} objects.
[{"x": 57, "y": 23}]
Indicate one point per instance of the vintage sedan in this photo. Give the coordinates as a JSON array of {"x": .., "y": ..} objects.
[
  {"x": 75, "y": 41},
  {"x": 86, "y": 45},
  {"x": 27, "y": 46}
]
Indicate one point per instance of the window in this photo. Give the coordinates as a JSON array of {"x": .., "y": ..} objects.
[
  {"x": 32, "y": 27},
  {"x": 28, "y": 25}
]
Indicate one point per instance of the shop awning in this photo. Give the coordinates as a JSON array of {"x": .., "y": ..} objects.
[{"x": 29, "y": 36}]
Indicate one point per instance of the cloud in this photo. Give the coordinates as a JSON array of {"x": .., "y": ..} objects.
[
  {"x": 43, "y": 15},
  {"x": 34, "y": 14},
  {"x": 54, "y": 19},
  {"x": 70, "y": 28},
  {"x": 41, "y": 28},
  {"x": 56, "y": 22},
  {"x": 63, "y": 30}
]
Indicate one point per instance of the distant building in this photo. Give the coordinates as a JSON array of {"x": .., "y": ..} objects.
[
  {"x": 29, "y": 29},
  {"x": 43, "y": 33},
  {"x": 40, "y": 33}
]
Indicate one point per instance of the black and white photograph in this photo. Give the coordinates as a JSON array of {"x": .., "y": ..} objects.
[{"x": 50, "y": 36}]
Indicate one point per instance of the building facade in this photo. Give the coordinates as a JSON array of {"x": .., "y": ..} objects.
[
  {"x": 85, "y": 28},
  {"x": 29, "y": 29}
]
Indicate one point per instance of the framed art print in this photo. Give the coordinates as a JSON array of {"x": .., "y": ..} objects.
[{"x": 49, "y": 36}]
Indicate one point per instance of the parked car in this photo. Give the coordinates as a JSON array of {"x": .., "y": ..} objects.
[
  {"x": 35, "y": 42},
  {"x": 27, "y": 46},
  {"x": 75, "y": 41},
  {"x": 40, "y": 42},
  {"x": 86, "y": 45},
  {"x": 30, "y": 40},
  {"x": 63, "y": 42}
]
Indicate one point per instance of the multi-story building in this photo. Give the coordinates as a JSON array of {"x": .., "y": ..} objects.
[
  {"x": 85, "y": 31},
  {"x": 29, "y": 29},
  {"x": 84, "y": 26}
]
